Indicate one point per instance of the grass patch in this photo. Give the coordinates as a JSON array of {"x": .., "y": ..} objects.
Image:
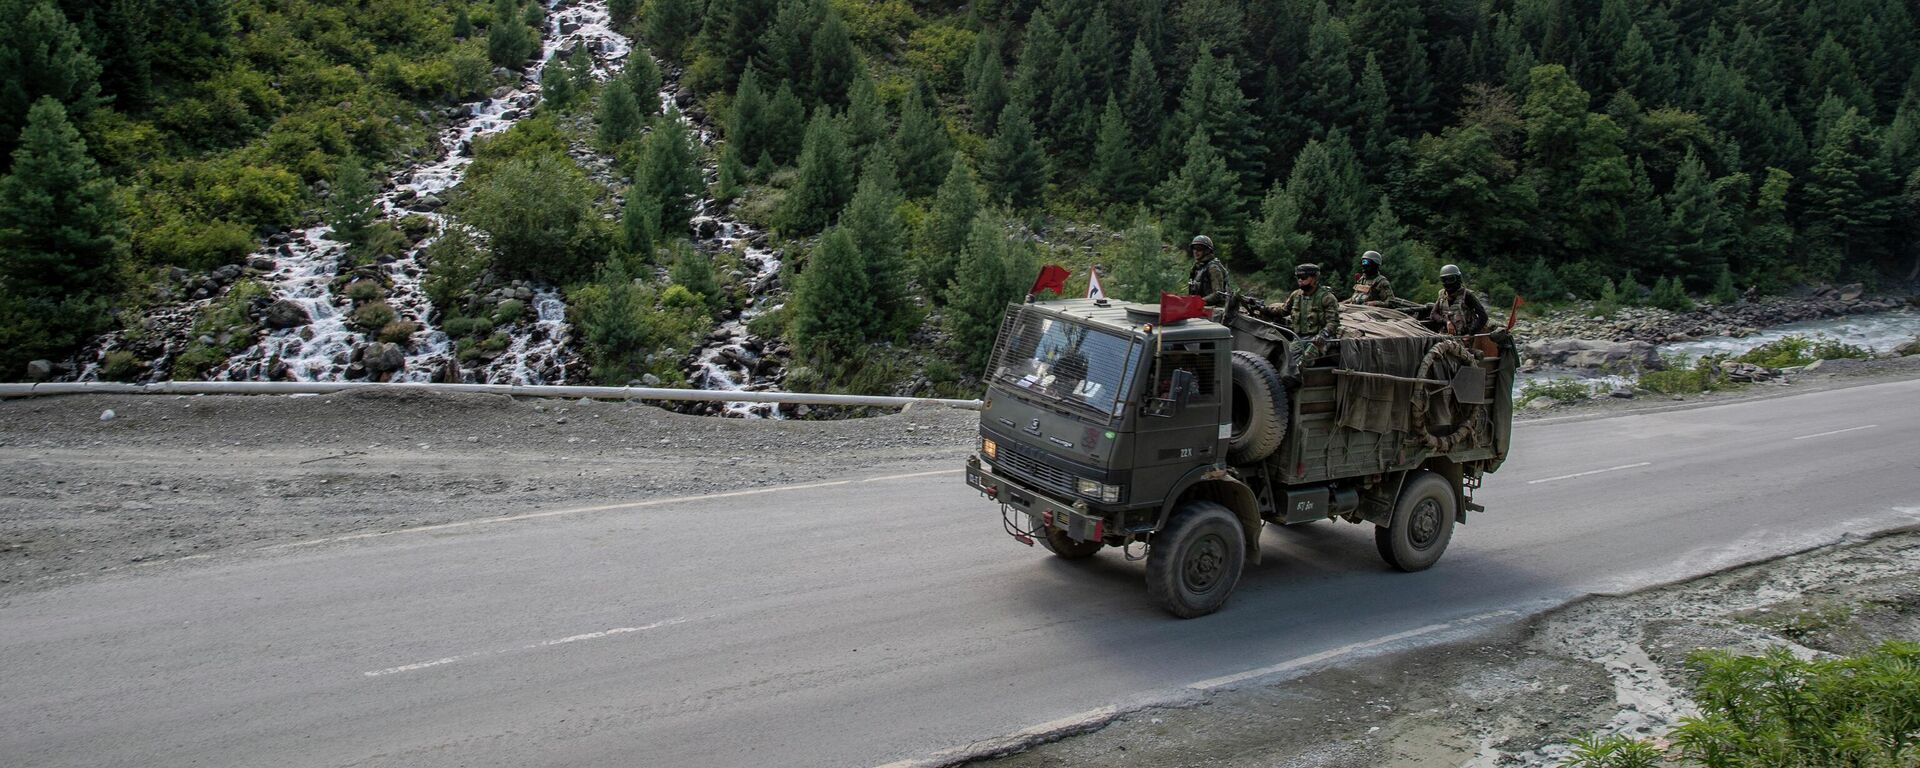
[
  {"x": 1557, "y": 390},
  {"x": 1801, "y": 350},
  {"x": 1777, "y": 710},
  {"x": 1681, "y": 378}
]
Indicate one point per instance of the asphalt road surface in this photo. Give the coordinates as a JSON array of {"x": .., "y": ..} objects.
[{"x": 869, "y": 620}]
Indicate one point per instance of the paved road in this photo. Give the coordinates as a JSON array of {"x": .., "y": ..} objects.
[{"x": 866, "y": 621}]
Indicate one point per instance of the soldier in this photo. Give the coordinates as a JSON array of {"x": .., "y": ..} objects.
[
  {"x": 1371, "y": 289},
  {"x": 1312, "y": 312},
  {"x": 1457, "y": 311},
  {"x": 1209, "y": 278}
]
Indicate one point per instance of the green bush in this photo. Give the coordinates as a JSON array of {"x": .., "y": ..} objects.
[
  {"x": 771, "y": 324},
  {"x": 1557, "y": 390},
  {"x": 1801, "y": 350},
  {"x": 372, "y": 316},
  {"x": 1616, "y": 751},
  {"x": 1679, "y": 378},
  {"x": 462, "y": 327},
  {"x": 509, "y": 312},
  {"x": 398, "y": 331},
  {"x": 120, "y": 365},
  {"x": 1669, "y": 294},
  {"x": 1777, "y": 710},
  {"x": 365, "y": 290},
  {"x": 196, "y": 360}
]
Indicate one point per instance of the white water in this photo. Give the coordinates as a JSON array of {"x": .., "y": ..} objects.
[{"x": 304, "y": 272}]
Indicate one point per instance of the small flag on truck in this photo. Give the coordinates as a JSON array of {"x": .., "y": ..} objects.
[
  {"x": 1176, "y": 308},
  {"x": 1053, "y": 277}
]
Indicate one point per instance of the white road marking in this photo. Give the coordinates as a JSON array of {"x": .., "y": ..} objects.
[
  {"x": 915, "y": 474},
  {"x": 536, "y": 646},
  {"x": 1836, "y": 432},
  {"x": 1590, "y": 472},
  {"x": 1302, "y": 662}
]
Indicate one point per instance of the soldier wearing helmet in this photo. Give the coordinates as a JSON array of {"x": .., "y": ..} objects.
[
  {"x": 1457, "y": 311},
  {"x": 1370, "y": 288},
  {"x": 1209, "y": 278},
  {"x": 1312, "y": 312}
]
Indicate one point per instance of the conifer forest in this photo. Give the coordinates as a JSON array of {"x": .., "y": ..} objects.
[{"x": 901, "y": 169}]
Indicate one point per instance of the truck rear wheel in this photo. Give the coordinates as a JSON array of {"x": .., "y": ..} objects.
[
  {"x": 1194, "y": 563},
  {"x": 1068, "y": 547},
  {"x": 1259, "y": 410},
  {"x": 1421, "y": 527}
]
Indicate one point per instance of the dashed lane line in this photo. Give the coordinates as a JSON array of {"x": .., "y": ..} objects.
[
  {"x": 1590, "y": 472},
  {"x": 417, "y": 666},
  {"x": 1836, "y": 432}
]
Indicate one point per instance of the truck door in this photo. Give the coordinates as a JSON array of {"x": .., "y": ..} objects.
[{"x": 1171, "y": 444}]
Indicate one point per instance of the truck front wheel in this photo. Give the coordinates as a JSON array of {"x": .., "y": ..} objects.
[
  {"x": 1067, "y": 547},
  {"x": 1421, "y": 527},
  {"x": 1194, "y": 563}
]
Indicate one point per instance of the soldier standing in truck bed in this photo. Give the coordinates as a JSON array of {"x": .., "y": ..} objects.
[
  {"x": 1457, "y": 311},
  {"x": 1370, "y": 288},
  {"x": 1209, "y": 278},
  {"x": 1312, "y": 312}
]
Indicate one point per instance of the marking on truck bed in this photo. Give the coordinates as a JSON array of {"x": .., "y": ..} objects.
[
  {"x": 1590, "y": 472},
  {"x": 531, "y": 647},
  {"x": 1836, "y": 432},
  {"x": 600, "y": 508}
]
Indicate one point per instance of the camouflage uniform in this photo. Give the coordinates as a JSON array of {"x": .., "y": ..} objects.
[
  {"x": 1312, "y": 315},
  {"x": 1209, "y": 279},
  {"x": 1374, "y": 291},
  {"x": 1460, "y": 314}
]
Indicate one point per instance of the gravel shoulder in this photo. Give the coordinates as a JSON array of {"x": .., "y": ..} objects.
[{"x": 171, "y": 477}]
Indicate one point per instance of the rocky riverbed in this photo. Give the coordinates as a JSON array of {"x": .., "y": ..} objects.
[{"x": 1743, "y": 318}]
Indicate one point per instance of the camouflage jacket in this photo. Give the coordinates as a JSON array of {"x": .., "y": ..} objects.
[
  {"x": 1374, "y": 291},
  {"x": 1209, "y": 279},
  {"x": 1461, "y": 314},
  {"x": 1310, "y": 314}
]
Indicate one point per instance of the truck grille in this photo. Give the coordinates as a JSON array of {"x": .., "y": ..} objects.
[{"x": 1033, "y": 471}]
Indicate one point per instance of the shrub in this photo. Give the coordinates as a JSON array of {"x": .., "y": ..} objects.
[
  {"x": 196, "y": 361},
  {"x": 398, "y": 331},
  {"x": 461, "y": 327},
  {"x": 365, "y": 290},
  {"x": 1616, "y": 751},
  {"x": 1669, "y": 294},
  {"x": 372, "y": 316},
  {"x": 120, "y": 365},
  {"x": 1775, "y": 709},
  {"x": 509, "y": 312},
  {"x": 1558, "y": 390},
  {"x": 1801, "y": 350},
  {"x": 1681, "y": 379}
]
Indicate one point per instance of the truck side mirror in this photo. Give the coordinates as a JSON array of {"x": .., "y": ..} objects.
[{"x": 1180, "y": 386}]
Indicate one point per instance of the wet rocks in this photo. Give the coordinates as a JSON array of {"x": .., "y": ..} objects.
[
  {"x": 285, "y": 313},
  {"x": 381, "y": 357},
  {"x": 39, "y": 370},
  {"x": 1908, "y": 348},
  {"x": 1592, "y": 353}
]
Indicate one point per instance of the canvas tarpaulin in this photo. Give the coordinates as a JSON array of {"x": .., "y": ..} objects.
[{"x": 1377, "y": 340}]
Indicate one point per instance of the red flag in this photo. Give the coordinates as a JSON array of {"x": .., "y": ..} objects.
[
  {"x": 1176, "y": 308},
  {"x": 1053, "y": 277},
  {"x": 1514, "y": 314}
]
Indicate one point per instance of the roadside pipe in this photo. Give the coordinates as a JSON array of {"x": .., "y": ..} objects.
[{"x": 513, "y": 390}]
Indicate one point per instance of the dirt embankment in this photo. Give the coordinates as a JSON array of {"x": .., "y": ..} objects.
[
  {"x": 1518, "y": 696},
  {"x": 170, "y": 477}
]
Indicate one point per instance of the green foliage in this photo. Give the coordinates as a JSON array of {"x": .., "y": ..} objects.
[
  {"x": 1142, "y": 267},
  {"x": 1015, "y": 168},
  {"x": 60, "y": 230},
  {"x": 510, "y": 40},
  {"x": 825, "y": 183},
  {"x": 1668, "y": 294},
  {"x": 1615, "y": 751},
  {"x": 619, "y": 116},
  {"x": 1775, "y": 709},
  {"x": 1703, "y": 375},
  {"x": 833, "y": 310},
  {"x": 639, "y": 223},
  {"x": 1798, "y": 350},
  {"x": 557, "y": 90},
  {"x": 371, "y": 316},
  {"x": 365, "y": 290},
  {"x": 938, "y": 52},
  {"x": 669, "y": 173},
  {"x": 990, "y": 275},
  {"x": 454, "y": 264},
  {"x": 921, "y": 146},
  {"x": 508, "y": 312},
  {"x": 694, "y": 271},
  {"x": 44, "y": 58},
  {"x": 731, "y": 180},
  {"x": 1558, "y": 390},
  {"x": 1202, "y": 197},
  {"x": 627, "y": 329},
  {"x": 943, "y": 236},
  {"x": 120, "y": 365},
  {"x": 538, "y": 214},
  {"x": 671, "y": 25},
  {"x": 350, "y": 206},
  {"x": 1724, "y": 291}
]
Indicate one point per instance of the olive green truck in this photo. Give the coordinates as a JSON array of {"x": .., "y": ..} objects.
[{"x": 1103, "y": 427}]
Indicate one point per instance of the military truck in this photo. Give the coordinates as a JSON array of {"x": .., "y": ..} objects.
[{"x": 1102, "y": 427}]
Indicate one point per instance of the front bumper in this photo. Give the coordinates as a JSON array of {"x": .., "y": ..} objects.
[{"x": 1042, "y": 511}]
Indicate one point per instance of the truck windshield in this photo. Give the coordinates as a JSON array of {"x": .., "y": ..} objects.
[{"x": 1065, "y": 362}]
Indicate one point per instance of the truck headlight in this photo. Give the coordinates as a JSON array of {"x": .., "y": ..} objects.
[
  {"x": 989, "y": 447},
  {"x": 1101, "y": 491}
]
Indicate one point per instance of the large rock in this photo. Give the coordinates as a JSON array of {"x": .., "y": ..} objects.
[
  {"x": 39, "y": 370},
  {"x": 285, "y": 314},
  {"x": 1591, "y": 353},
  {"x": 1911, "y": 347},
  {"x": 381, "y": 357}
]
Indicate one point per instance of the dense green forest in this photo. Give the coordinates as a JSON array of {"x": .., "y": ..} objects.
[{"x": 902, "y": 153}]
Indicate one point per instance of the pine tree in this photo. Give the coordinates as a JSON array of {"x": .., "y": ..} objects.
[
  {"x": 1116, "y": 172},
  {"x": 785, "y": 125},
  {"x": 1848, "y": 208},
  {"x": 787, "y": 44},
  {"x": 60, "y": 229},
  {"x": 1724, "y": 291},
  {"x": 1214, "y": 104},
  {"x": 747, "y": 128},
  {"x": 866, "y": 119},
  {"x": 729, "y": 39},
  {"x": 619, "y": 116},
  {"x": 1768, "y": 240},
  {"x": 833, "y": 62},
  {"x": 43, "y": 56},
  {"x": 639, "y": 222},
  {"x": 556, "y": 85},
  {"x": 1697, "y": 229},
  {"x": 1142, "y": 268},
  {"x": 462, "y": 24},
  {"x": 1203, "y": 197},
  {"x": 833, "y": 301},
  {"x": 669, "y": 173},
  {"x": 873, "y": 220},
  {"x": 731, "y": 179},
  {"x": 1333, "y": 199},
  {"x": 510, "y": 42},
  {"x": 693, "y": 271},
  {"x": 1277, "y": 239},
  {"x": 642, "y": 78},
  {"x": 670, "y": 27},
  {"x": 1143, "y": 102},
  {"x": 580, "y": 71},
  {"x": 1374, "y": 112},
  {"x": 1015, "y": 168},
  {"x": 351, "y": 211},
  {"x": 1409, "y": 263},
  {"x": 944, "y": 234},
  {"x": 826, "y": 180},
  {"x": 986, "y": 82},
  {"x": 921, "y": 145},
  {"x": 981, "y": 289}
]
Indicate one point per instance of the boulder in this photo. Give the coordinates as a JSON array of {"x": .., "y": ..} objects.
[
  {"x": 1591, "y": 353},
  {"x": 262, "y": 263},
  {"x": 381, "y": 357},
  {"x": 1852, "y": 292},
  {"x": 1911, "y": 347},
  {"x": 39, "y": 370},
  {"x": 285, "y": 314}
]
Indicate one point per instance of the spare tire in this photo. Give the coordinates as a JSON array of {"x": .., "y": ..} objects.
[{"x": 1259, "y": 412}]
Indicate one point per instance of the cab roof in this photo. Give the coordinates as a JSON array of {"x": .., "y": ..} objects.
[{"x": 1129, "y": 318}]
